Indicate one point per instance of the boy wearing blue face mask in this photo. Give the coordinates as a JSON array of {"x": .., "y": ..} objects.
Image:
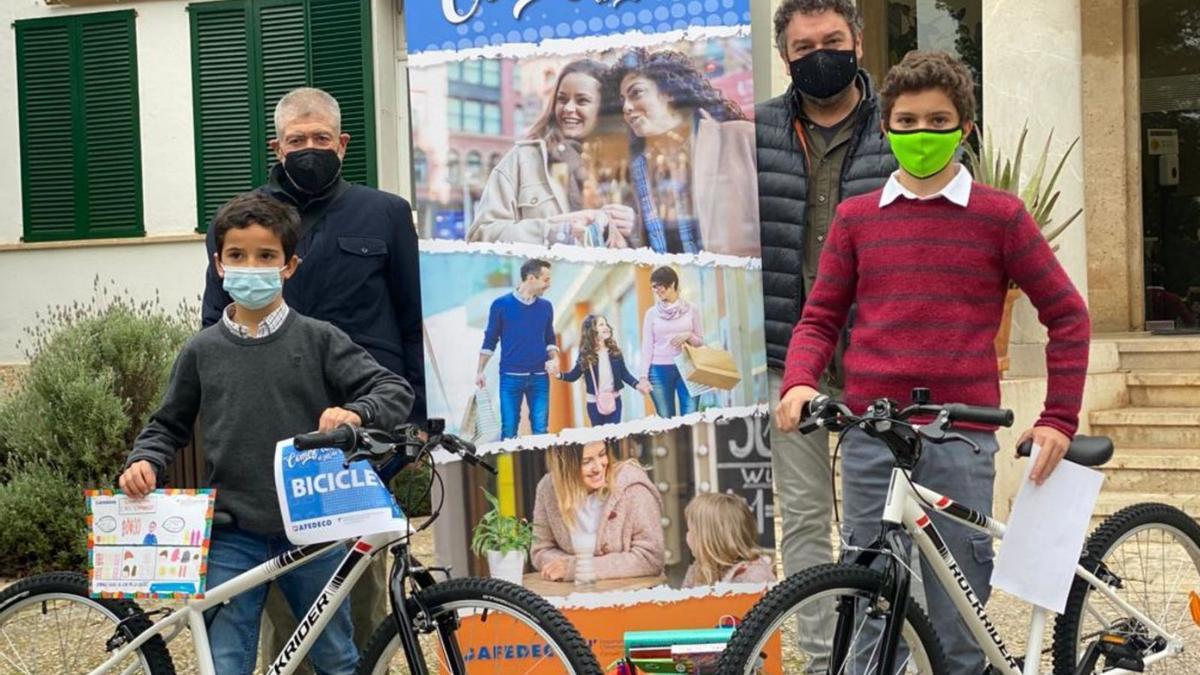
[{"x": 261, "y": 374}]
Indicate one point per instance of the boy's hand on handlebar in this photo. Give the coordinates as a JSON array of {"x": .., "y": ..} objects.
[
  {"x": 1054, "y": 445},
  {"x": 790, "y": 411},
  {"x": 332, "y": 418},
  {"x": 138, "y": 480}
]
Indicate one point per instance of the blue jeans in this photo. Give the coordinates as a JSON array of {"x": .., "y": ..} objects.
[
  {"x": 955, "y": 471},
  {"x": 533, "y": 388},
  {"x": 666, "y": 382},
  {"x": 597, "y": 418},
  {"x": 233, "y": 628}
]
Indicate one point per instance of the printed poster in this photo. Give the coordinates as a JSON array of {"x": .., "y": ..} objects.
[
  {"x": 586, "y": 198},
  {"x": 321, "y": 499},
  {"x": 151, "y": 547}
]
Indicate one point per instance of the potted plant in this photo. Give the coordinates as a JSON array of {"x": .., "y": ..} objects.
[
  {"x": 503, "y": 540},
  {"x": 990, "y": 167}
]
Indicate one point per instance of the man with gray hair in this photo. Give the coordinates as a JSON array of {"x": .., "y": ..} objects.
[
  {"x": 358, "y": 271},
  {"x": 818, "y": 144}
]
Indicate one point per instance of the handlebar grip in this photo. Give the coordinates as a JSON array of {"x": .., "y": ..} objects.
[
  {"x": 961, "y": 412},
  {"x": 343, "y": 438}
]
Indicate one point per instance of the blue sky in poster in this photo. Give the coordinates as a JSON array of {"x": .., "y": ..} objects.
[{"x": 463, "y": 24}]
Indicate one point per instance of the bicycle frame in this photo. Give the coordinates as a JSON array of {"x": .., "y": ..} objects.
[
  {"x": 903, "y": 509},
  {"x": 191, "y": 615}
]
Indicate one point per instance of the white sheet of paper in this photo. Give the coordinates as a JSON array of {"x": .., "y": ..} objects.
[{"x": 1045, "y": 534}]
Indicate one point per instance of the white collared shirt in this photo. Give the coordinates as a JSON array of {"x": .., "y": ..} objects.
[
  {"x": 957, "y": 191},
  {"x": 268, "y": 325}
]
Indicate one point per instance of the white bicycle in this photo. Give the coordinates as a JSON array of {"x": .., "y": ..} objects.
[
  {"x": 49, "y": 625},
  {"x": 1132, "y": 607}
]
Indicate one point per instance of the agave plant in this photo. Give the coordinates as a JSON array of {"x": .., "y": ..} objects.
[{"x": 992, "y": 168}]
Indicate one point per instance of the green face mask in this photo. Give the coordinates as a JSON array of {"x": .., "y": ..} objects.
[{"x": 924, "y": 152}]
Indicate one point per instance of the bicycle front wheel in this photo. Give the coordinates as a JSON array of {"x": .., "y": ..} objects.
[
  {"x": 1153, "y": 553},
  {"x": 829, "y": 619},
  {"x": 49, "y": 624},
  {"x": 483, "y": 626}
]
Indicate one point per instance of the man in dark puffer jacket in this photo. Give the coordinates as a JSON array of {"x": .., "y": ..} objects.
[{"x": 818, "y": 143}]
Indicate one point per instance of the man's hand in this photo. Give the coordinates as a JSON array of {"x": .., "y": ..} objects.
[
  {"x": 620, "y": 217},
  {"x": 333, "y": 418},
  {"x": 552, "y": 368},
  {"x": 791, "y": 408},
  {"x": 555, "y": 570},
  {"x": 480, "y": 381},
  {"x": 138, "y": 480},
  {"x": 1053, "y": 444}
]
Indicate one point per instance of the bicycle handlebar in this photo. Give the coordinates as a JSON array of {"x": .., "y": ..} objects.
[
  {"x": 823, "y": 411},
  {"x": 364, "y": 443},
  {"x": 961, "y": 412}
]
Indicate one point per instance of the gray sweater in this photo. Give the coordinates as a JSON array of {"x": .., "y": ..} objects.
[{"x": 251, "y": 393}]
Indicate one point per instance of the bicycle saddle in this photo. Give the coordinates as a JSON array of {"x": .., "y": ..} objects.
[{"x": 1084, "y": 450}]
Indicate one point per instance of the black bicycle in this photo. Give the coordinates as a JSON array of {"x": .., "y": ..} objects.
[
  {"x": 1132, "y": 607},
  {"x": 49, "y": 624}
]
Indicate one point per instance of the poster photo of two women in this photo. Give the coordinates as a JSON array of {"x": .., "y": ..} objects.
[{"x": 626, "y": 148}]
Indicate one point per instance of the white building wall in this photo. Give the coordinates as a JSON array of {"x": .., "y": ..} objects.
[{"x": 169, "y": 261}]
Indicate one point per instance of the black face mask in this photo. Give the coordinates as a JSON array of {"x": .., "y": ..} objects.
[
  {"x": 312, "y": 170},
  {"x": 824, "y": 73}
]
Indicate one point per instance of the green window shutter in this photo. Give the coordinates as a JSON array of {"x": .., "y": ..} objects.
[
  {"x": 284, "y": 63},
  {"x": 340, "y": 34},
  {"x": 113, "y": 197},
  {"x": 225, "y": 149},
  {"x": 80, "y": 139},
  {"x": 246, "y": 54},
  {"x": 45, "y": 102}
]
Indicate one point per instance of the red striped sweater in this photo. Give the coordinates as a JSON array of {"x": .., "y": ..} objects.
[{"x": 929, "y": 278}]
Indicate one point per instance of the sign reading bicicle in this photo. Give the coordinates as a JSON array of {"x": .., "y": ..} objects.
[
  {"x": 586, "y": 198},
  {"x": 323, "y": 499},
  {"x": 155, "y": 546}
]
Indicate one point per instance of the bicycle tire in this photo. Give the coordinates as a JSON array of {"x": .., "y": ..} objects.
[
  {"x": 743, "y": 649},
  {"x": 155, "y": 656},
  {"x": 1112, "y": 532},
  {"x": 444, "y": 597}
]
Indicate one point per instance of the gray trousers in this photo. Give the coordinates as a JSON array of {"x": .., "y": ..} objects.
[
  {"x": 955, "y": 471},
  {"x": 368, "y": 608},
  {"x": 803, "y": 492}
]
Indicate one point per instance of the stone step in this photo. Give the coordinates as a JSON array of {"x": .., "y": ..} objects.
[
  {"x": 1163, "y": 354},
  {"x": 1111, "y": 502},
  {"x": 1149, "y": 427},
  {"x": 1171, "y": 470},
  {"x": 1164, "y": 390}
]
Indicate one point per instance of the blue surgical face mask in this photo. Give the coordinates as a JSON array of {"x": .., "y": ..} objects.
[{"x": 253, "y": 287}]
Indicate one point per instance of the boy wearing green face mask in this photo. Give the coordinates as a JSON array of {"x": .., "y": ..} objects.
[
  {"x": 262, "y": 373},
  {"x": 928, "y": 259}
]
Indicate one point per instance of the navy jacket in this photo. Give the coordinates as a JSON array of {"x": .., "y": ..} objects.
[
  {"x": 621, "y": 375},
  {"x": 783, "y": 201},
  {"x": 358, "y": 271}
]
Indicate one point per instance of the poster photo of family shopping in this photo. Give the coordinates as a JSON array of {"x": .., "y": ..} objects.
[{"x": 527, "y": 346}]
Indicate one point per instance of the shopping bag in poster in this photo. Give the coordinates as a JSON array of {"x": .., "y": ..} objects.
[
  {"x": 154, "y": 546},
  {"x": 322, "y": 499},
  {"x": 487, "y": 423},
  {"x": 684, "y": 363},
  {"x": 710, "y": 366}
]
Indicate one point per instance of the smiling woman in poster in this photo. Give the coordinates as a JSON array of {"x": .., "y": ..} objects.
[
  {"x": 535, "y": 194},
  {"x": 668, "y": 325},
  {"x": 693, "y": 163},
  {"x": 602, "y": 367},
  {"x": 590, "y": 501}
]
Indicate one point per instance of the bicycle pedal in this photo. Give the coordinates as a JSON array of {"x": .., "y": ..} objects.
[{"x": 1119, "y": 652}]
